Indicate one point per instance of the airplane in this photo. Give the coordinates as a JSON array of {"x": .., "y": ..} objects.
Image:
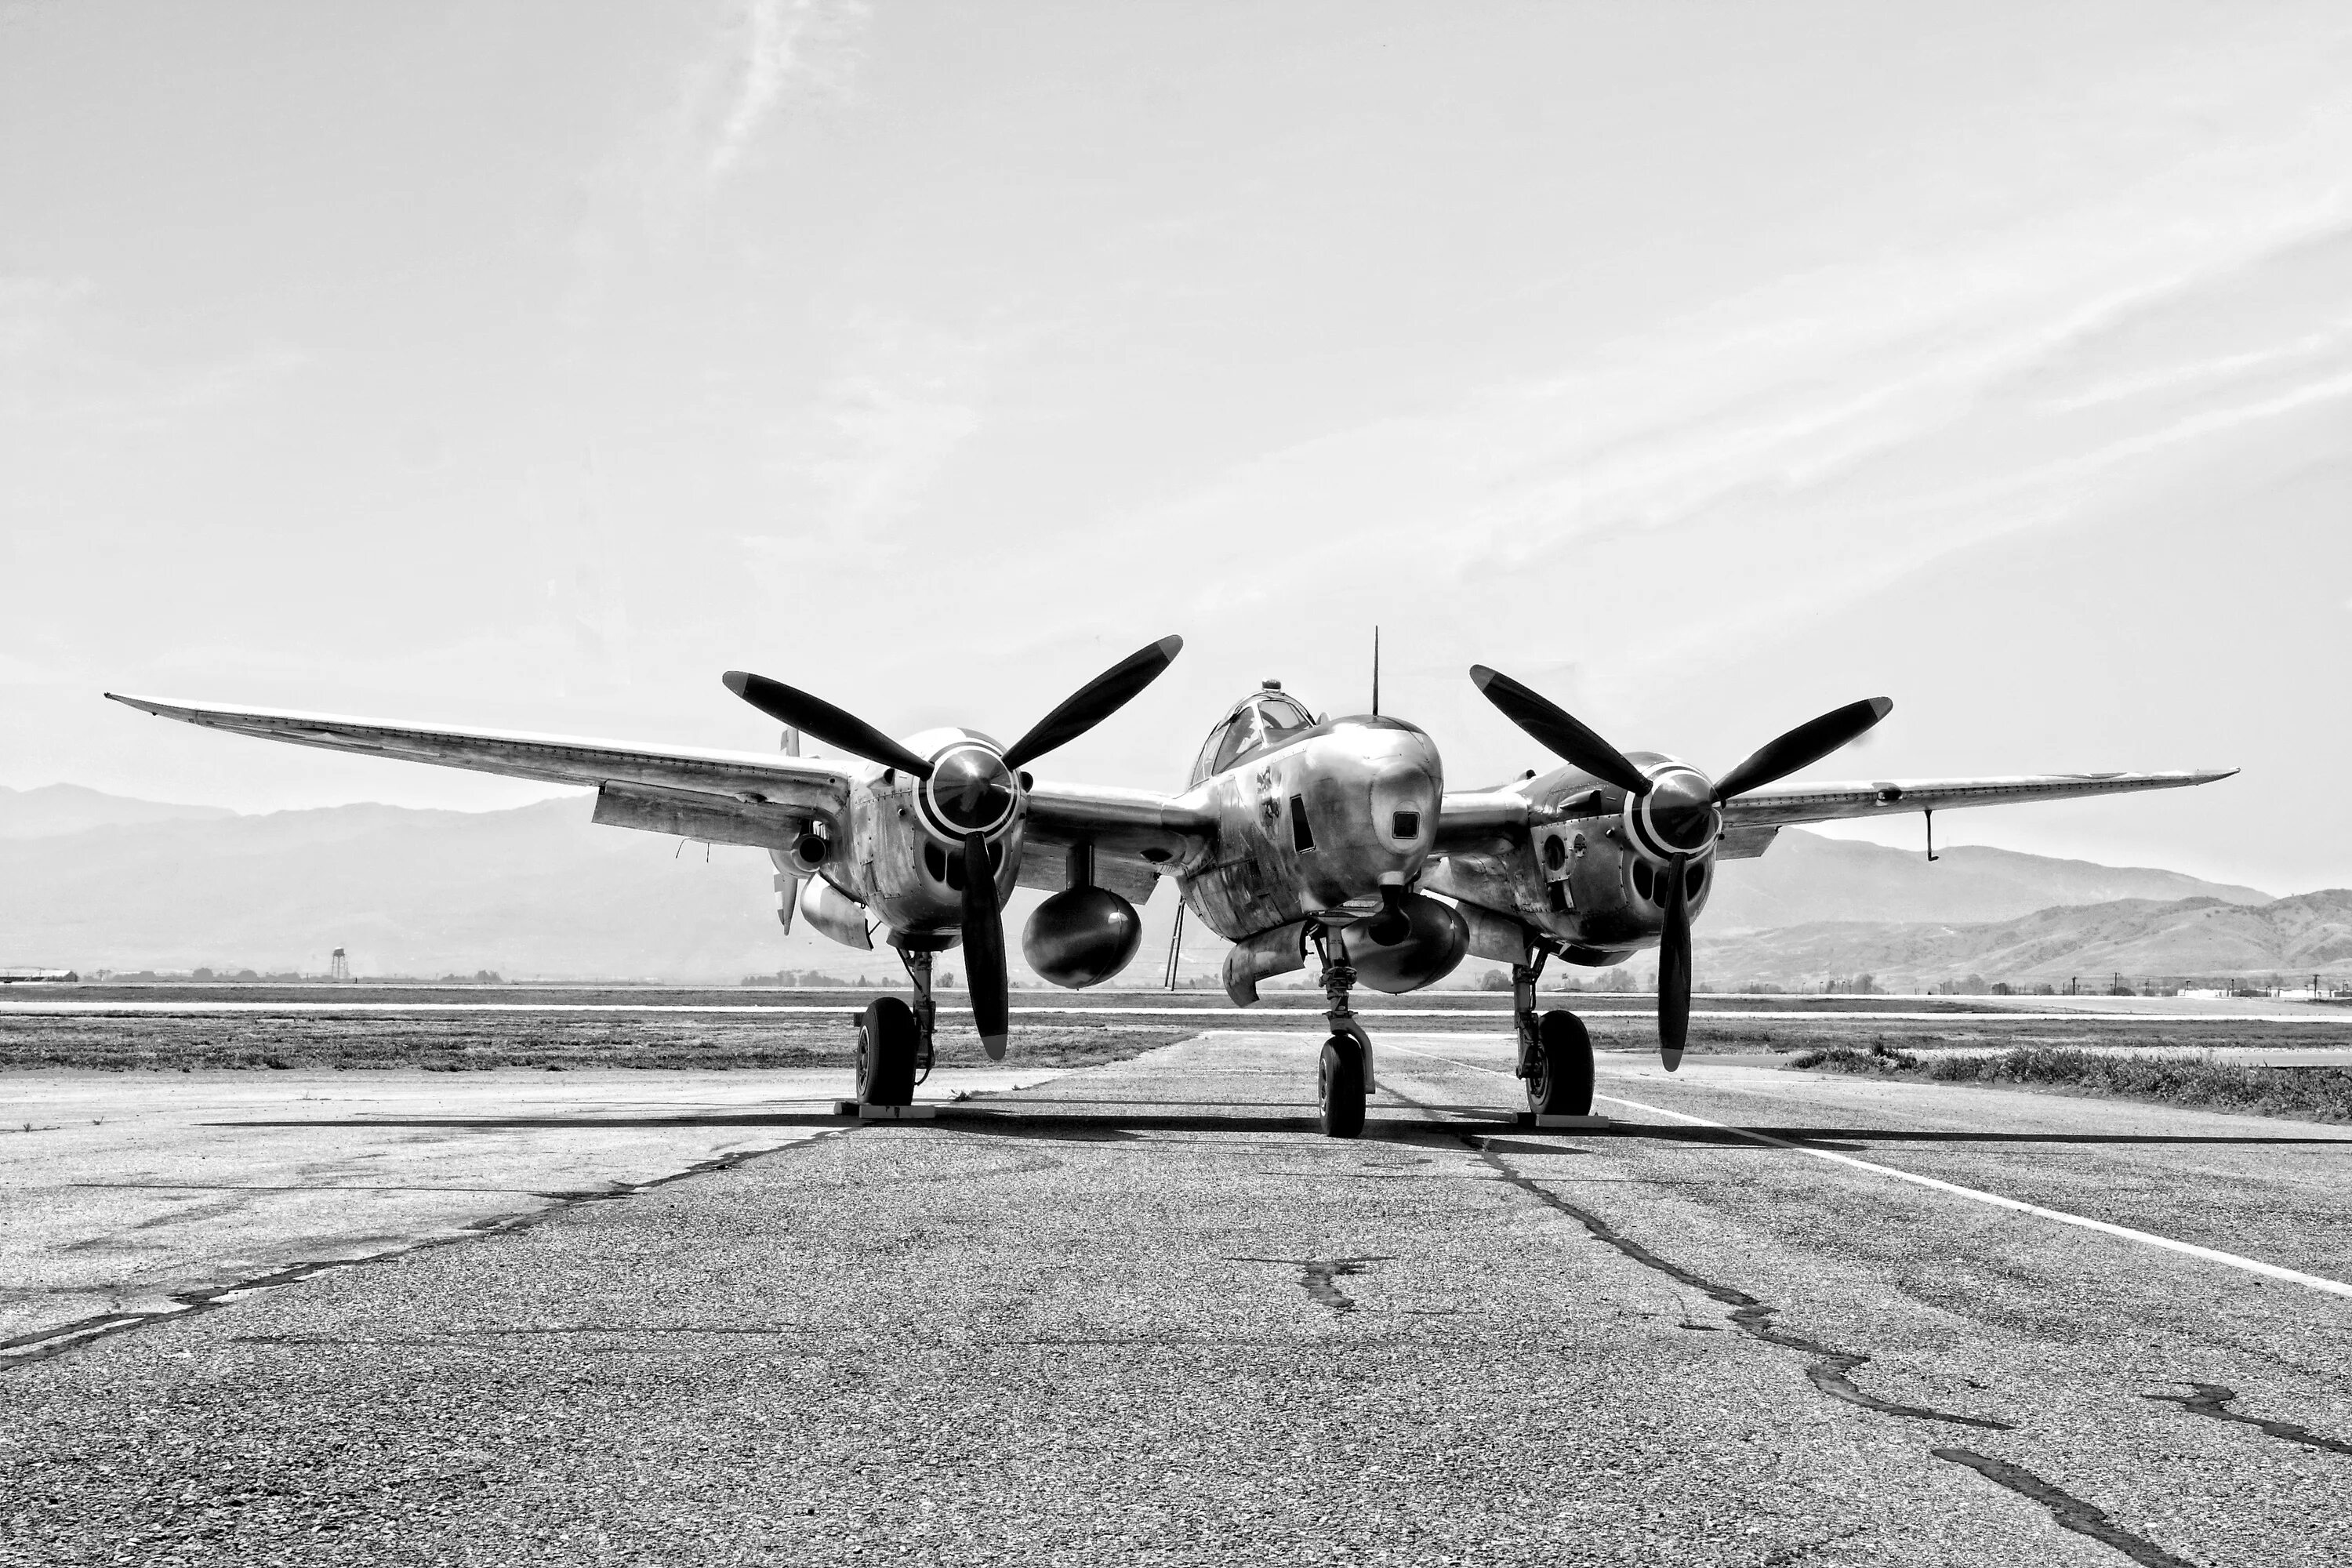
[
  {"x": 1291, "y": 831},
  {"x": 1616, "y": 852}
]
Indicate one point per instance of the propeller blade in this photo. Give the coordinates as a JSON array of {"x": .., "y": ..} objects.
[
  {"x": 814, "y": 716},
  {"x": 1095, "y": 701},
  {"x": 983, "y": 947},
  {"x": 1674, "y": 971},
  {"x": 1560, "y": 733},
  {"x": 1807, "y": 744}
]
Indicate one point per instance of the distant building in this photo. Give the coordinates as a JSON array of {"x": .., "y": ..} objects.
[{"x": 23, "y": 976}]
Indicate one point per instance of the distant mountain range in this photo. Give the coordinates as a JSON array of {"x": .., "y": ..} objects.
[
  {"x": 69, "y": 808},
  {"x": 94, "y": 880},
  {"x": 2309, "y": 933},
  {"x": 537, "y": 891},
  {"x": 1805, "y": 876}
]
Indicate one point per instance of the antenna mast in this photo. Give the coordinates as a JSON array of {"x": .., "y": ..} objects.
[{"x": 1376, "y": 672}]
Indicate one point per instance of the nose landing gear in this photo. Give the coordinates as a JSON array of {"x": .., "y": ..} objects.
[{"x": 1344, "y": 1074}]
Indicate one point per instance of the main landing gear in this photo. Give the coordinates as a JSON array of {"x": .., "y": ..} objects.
[
  {"x": 1555, "y": 1051},
  {"x": 894, "y": 1039},
  {"x": 1344, "y": 1076}
]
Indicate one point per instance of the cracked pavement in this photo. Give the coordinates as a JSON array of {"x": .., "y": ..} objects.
[{"x": 1143, "y": 1313}]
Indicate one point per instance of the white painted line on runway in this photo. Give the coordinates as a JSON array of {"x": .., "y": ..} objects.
[
  {"x": 2145, "y": 1237},
  {"x": 849, "y": 1005}
]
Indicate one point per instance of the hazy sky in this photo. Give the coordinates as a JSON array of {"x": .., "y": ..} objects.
[{"x": 530, "y": 364}]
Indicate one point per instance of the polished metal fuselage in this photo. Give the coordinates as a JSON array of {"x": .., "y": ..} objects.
[{"x": 1309, "y": 826}]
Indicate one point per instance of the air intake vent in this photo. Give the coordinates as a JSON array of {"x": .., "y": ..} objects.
[{"x": 1302, "y": 838}]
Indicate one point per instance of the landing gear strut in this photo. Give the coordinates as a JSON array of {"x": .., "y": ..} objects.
[
  {"x": 894, "y": 1039},
  {"x": 1555, "y": 1051},
  {"x": 1344, "y": 1076}
]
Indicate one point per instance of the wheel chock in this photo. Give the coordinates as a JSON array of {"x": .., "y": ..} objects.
[
  {"x": 1566, "y": 1123},
  {"x": 864, "y": 1112}
]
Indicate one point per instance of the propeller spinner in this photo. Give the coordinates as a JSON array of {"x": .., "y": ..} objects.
[
  {"x": 971, "y": 788},
  {"x": 1675, "y": 810}
]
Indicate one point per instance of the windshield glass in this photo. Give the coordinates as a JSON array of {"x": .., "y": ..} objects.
[
  {"x": 1268, "y": 721},
  {"x": 1279, "y": 716}
]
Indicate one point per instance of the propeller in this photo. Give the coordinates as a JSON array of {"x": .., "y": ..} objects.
[
  {"x": 1573, "y": 743},
  {"x": 1560, "y": 732},
  {"x": 815, "y": 716},
  {"x": 1675, "y": 970},
  {"x": 983, "y": 918},
  {"x": 1803, "y": 747},
  {"x": 983, "y": 947},
  {"x": 1095, "y": 701}
]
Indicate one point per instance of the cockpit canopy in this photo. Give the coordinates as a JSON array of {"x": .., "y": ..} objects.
[{"x": 1262, "y": 718}]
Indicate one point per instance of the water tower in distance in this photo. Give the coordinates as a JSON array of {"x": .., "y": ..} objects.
[{"x": 339, "y": 968}]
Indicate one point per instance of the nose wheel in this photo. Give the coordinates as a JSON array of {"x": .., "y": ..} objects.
[
  {"x": 1339, "y": 1087},
  {"x": 1344, "y": 1074}
]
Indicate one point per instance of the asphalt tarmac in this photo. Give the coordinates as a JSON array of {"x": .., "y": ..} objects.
[{"x": 1144, "y": 1313}]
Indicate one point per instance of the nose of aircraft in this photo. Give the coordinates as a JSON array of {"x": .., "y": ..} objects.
[{"x": 1382, "y": 781}]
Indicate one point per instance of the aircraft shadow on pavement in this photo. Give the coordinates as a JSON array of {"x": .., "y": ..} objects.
[
  {"x": 551, "y": 1124},
  {"x": 1045, "y": 1121},
  {"x": 1484, "y": 1119}
]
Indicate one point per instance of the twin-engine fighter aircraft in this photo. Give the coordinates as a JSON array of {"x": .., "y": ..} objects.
[
  {"x": 1616, "y": 852},
  {"x": 1294, "y": 833}
]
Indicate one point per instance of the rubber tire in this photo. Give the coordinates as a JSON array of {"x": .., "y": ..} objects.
[
  {"x": 887, "y": 1041},
  {"x": 1563, "y": 1082},
  {"x": 1339, "y": 1087}
]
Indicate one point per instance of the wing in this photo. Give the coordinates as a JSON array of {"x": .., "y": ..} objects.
[
  {"x": 1776, "y": 806},
  {"x": 1139, "y": 836},
  {"x": 728, "y": 797}
]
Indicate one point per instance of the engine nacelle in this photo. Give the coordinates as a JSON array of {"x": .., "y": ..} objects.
[
  {"x": 800, "y": 858},
  {"x": 1433, "y": 943},
  {"x": 1082, "y": 936}
]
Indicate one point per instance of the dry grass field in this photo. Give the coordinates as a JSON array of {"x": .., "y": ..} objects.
[{"x": 553, "y": 1042}]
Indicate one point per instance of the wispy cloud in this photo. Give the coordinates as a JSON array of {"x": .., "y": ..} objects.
[
  {"x": 738, "y": 82},
  {"x": 782, "y": 43}
]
